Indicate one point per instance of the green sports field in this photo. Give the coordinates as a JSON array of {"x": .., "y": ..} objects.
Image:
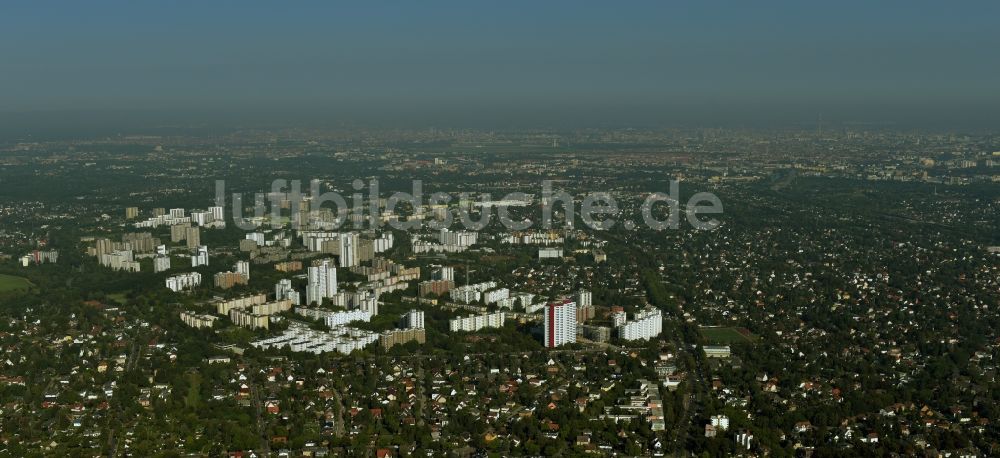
[
  {"x": 723, "y": 335},
  {"x": 11, "y": 283}
]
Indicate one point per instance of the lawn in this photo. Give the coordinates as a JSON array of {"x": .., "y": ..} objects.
[
  {"x": 11, "y": 283},
  {"x": 723, "y": 335}
]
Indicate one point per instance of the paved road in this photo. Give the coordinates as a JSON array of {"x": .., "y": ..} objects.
[{"x": 116, "y": 412}]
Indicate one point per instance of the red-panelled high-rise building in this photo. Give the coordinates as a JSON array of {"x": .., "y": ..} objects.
[{"x": 560, "y": 323}]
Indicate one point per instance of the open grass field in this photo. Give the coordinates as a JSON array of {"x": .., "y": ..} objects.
[
  {"x": 724, "y": 335},
  {"x": 12, "y": 283}
]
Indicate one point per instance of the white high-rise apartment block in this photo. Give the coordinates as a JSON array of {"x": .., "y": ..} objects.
[
  {"x": 414, "y": 319},
  {"x": 257, "y": 237},
  {"x": 495, "y": 295},
  {"x": 176, "y": 212},
  {"x": 584, "y": 298},
  {"x": 720, "y": 421},
  {"x": 283, "y": 290},
  {"x": 459, "y": 238},
  {"x": 560, "y": 323},
  {"x": 216, "y": 213},
  {"x": 530, "y": 308},
  {"x": 161, "y": 263},
  {"x": 342, "y": 318},
  {"x": 243, "y": 268},
  {"x": 743, "y": 439},
  {"x": 618, "y": 319},
  {"x": 383, "y": 243},
  {"x": 120, "y": 260},
  {"x": 161, "y": 250},
  {"x": 465, "y": 295},
  {"x": 349, "y": 249},
  {"x": 201, "y": 218},
  {"x": 477, "y": 322},
  {"x": 181, "y": 282},
  {"x": 345, "y": 246},
  {"x": 300, "y": 338},
  {"x": 322, "y": 282},
  {"x": 507, "y": 303},
  {"x": 444, "y": 273},
  {"x": 471, "y": 293},
  {"x": 364, "y": 300},
  {"x": 201, "y": 258},
  {"x": 646, "y": 325},
  {"x": 313, "y": 240}
]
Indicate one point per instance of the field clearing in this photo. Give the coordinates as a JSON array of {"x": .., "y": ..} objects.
[
  {"x": 722, "y": 335},
  {"x": 13, "y": 283}
]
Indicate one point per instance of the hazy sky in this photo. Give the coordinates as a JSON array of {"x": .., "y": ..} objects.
[{"x": 504, "y": 62}]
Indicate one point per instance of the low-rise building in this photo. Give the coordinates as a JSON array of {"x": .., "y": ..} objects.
[
  {"x": 226, "y": 280},
  {"x": 196, "y": 320},
  {"x": 300, "y": 338},
  {"x": 717, "y": 351},
  {"x": 395, "y": 337},
  {"x": 550, "y": 253},
  {"x": 222, "y": 307},
  {"x": 435, "y": 287},
  {"x": 288, "y": 266},
  {"x": 247, "y": 319}
]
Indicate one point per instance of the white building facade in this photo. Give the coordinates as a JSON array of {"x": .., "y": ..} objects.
[
  {"x": 646, "y": 325},
  {"x": 322, "y": 282},
  {"x": 559, "y": 323},
  {"x": 182, "y": 282}
]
